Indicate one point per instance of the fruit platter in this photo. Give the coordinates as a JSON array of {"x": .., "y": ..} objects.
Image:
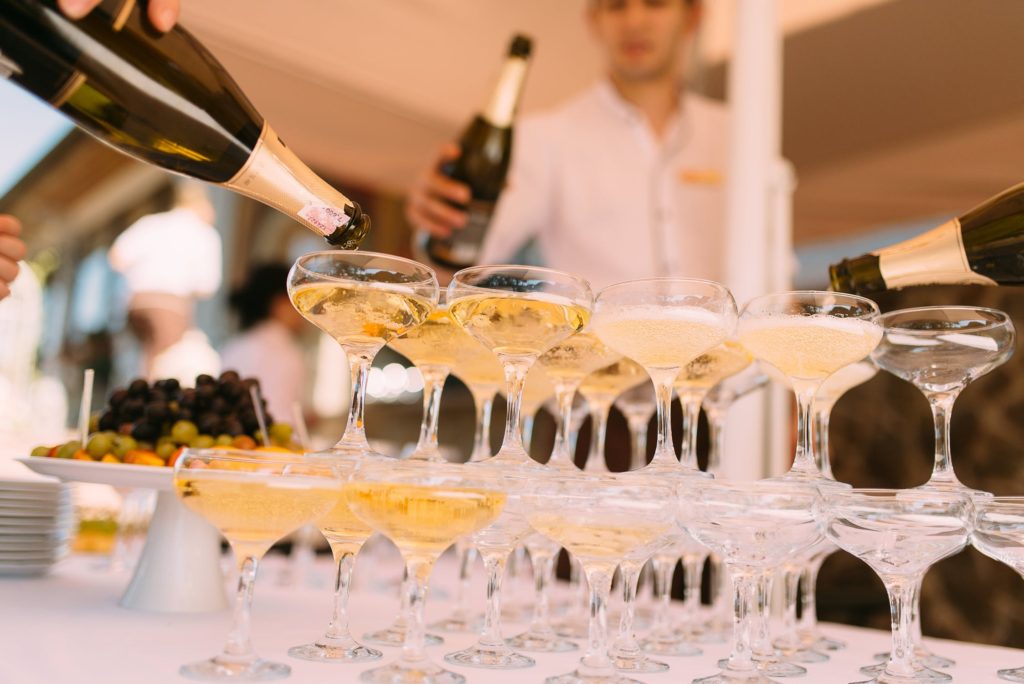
[{"x": 133, "y": 443}]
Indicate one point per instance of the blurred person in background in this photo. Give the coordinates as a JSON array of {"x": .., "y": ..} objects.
[
  {"x": 169, "y": 260},
  {"x": 163, "y": 14},
  {"x": 623, "y": 181},
  {"x": 268, "y": 346}
]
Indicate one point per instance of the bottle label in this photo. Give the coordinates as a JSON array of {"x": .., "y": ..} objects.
[
  {"x": 8, "y": 67},
  {"x": 933, "y": 258},
  {"x": 326, "y": 219}
]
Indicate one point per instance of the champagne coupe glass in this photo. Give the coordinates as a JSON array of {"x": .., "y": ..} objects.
[
  {"x": 518, "y": 312},
  {"x": 433, "y": 347},
  {"x": 254, "y": 499},
  {"x": 940, "y": 350},
  {"x": 637, "y": 405},
  {"x": 422, "y": 507},
  {"x": 999, "y": 534},
  {"x": 600, "y": 388},
  {"x": 753, "y": 527},
  {"x": 663, "y": 324},
  {"x": 601, "y": 519},
  {"x": 717, "y": 403},
  {"x": 363, "y": 300},
  {"x": 808, "y": 336},
  {"x": 627, "y": 653},
  {"x": 481, "y": 372},
  {"x": 346, "y": 534},
  {"x": 805, "y": 634},
  {"x": 537, "y": 390},
  {"x": 900, "y": 534}
]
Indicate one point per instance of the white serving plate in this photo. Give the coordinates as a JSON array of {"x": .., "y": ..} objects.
[
  {"x": 114, "y": 474},
  {"x": 33, "y": 511},
  {"x": 32, "y": 544},
  {"x": 27, "y": 569},
  {"x": 50, "y": 556}
]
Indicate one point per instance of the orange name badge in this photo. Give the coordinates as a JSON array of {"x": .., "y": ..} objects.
[{"x": 700, "y": 176}]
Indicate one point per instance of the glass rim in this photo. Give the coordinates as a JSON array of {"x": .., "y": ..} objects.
[
  {"x": 427, "y": 469},
  {"x": 754, "y": 487},
  {"x": 998, "y": 502},
  {"x": 886, "y": 495},
  {"x": 432, "y": 274},
  {"x": 826, "y": 293},
  {"x": 1002, "y": 319},
  {"x": 666, "y": 279},
  {"x": 457, "y": 282}
]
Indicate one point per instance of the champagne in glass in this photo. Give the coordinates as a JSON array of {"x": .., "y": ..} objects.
[
  {"x": 600, "y": 389},
  {"x": 537, "y": 390},
  {"x": 637, "y": 404},
  {"x": 254, "y": 499},
  {"x": 363, "y": 300}
]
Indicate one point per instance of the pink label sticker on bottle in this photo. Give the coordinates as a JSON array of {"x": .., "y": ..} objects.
[{"x": 326, "y": 219}]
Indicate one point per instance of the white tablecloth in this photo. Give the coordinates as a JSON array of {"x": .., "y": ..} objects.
[{"x": 67, "y": 627}]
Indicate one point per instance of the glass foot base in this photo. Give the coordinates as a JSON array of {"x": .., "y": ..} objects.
[
  {"x": 395, "y": 636},
  {"x": 670, "y": 647},
  {"x": 923, "y": 657},
  {"x": 1012, "y": 675},
  {"x": 219, "y": 668},
  {"x": 772, "y": 667},
  {"x": 424, "y": 672},
  {"x": 323, "y": 653},
  {"x": 796, "y": 650},
  {"x": 921, "y": 674},
  {"x": 541, "y": 641},
  {"x": 637, "y": 663},
  {"x": 459, "y": 623},
  {"x": 578, "y": 677},
  {"x": 736, "y": 677},
  {"x": 492, "y": 659},
  {"x": 572, "y": 628},
  {"x": 821, "y": 642}
]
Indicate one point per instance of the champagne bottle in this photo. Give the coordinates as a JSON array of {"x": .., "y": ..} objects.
[
  {"x": 483, "y": 163},
  {"x": 164, "y": 99},
  {"x": 985, "y": 246}
]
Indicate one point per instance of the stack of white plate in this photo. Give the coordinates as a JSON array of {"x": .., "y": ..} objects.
[{"x": 35, "y": 525}]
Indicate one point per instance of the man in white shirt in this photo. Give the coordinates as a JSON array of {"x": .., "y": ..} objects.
[
  {"x": 625, "y": 180},
  {"x": 169, "y": 260}
]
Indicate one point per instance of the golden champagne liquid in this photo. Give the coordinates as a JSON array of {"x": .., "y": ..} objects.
[
  {"x": 809, "y": 347},
  {"x": 609, "y": 382},
  {"x": 519, "y": 326},
  {"x": 603, "y": 539},
  {"x": 340, "y": 525},
  {"x": 359, "y": 314},
  {"x": 709, "y": 369},
  {"x": 423, "y": 520},
  {"x": 439, "y": 341},
  {"x": 576, "y": 357},
  {"x": 660, "y": 338},
  {"x": 537, "y": 390},
  {"x": 844, "y": 380},
  {"x": 253, "y": 510},
  {"x": 479, "y": 368}
]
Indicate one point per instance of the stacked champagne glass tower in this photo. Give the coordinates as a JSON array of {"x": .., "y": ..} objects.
[{"x": 634, "y": 345}]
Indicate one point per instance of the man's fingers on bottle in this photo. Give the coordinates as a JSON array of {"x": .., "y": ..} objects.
[
  {"x": 11, "y": 248},
  {"x": 444, "y": 187},
  {"x": 164, "y": 14},
  {"x": 9, "y": 225},
  {"x": 8, "y": 270},
  {"x": 449, "y": 151},
  {"x": 442, "y": 213}
]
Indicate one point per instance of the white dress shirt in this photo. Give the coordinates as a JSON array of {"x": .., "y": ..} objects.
[
  {"x": 174, "y": 252},
  {"x": 269, "y": 353},
  {"x": 609, "y": 200}
]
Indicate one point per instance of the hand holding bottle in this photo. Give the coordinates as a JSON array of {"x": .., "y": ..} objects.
[
  {"x": 12, "y": 250},
  {"x": 162, "y": 13},
  {"x": 434, "y": 199}
]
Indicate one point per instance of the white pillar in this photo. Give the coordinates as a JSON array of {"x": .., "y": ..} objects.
[{"x": 757, "y": 222}]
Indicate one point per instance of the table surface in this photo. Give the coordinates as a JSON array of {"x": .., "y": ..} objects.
[{"x": 67, "y": 627}]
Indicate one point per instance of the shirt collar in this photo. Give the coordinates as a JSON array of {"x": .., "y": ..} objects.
[{"x": 678, "y": 127}]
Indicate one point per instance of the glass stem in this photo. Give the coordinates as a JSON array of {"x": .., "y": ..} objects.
[
  {"x": 720, "y": 594},
  {"x": 417, "y": 573},
  {"x": 790, "y": 595},
  {"x": 596, "y": 663},
  {"x": 761, "y": 645},
  {"x": 693, "y": 569},
  {"x": 663, "y": 570},
  {"x": 494, "y": 563},
  {"x": 942, "y": 411},
  {"x": 625, "y": 642},
  {"x": 359, "y": 361},
  {"x": 664, "y": 451},
  {"x": 515, "y": 378},
  {"x": 466, "y": 553},
  {"x": 543, "y": 561},
  {"x": 561, "y": 456},
  {"x": 903, "y": 593},
  {"x": 716, "y": 425},
  {"x": 808, "y": 593},
  {"x": 820, "y": 413},
  {"x": 690, "y": 403},
  {"x": 528, "y": 430},
  {"x": 804, "y": 460},
  {"x": 745, "y": 587},
  {"x": 337, "y": 629},
  {"x": 599, "y": 420},
  {"x": 483, "y": 402},
  {"x": 638, "y": 442},
  {"x": 239, "y": 646},
  {"x": 433, "y": 386}
]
